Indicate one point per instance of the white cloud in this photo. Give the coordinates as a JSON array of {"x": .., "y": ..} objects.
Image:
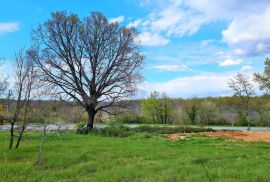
[
  {"x": 118, "y": 19},
  {"x": 135, "y": 23},
  {"x": 171, "y": 67},
  {"x": 201, "y": 85},
  {"x": 207, "y": 42},
  {"x": 253, "y": 27},
  {"x": 150, "y": 39},
  {"x": 8, "y": 27},
  {"x": 238, "y": 52},
  {"x": 174, "y": 19},
  {"x": 248, "y": 29},
  {"x": 230, "y": 62},
  {"x": 248, "y": 68},
  {"x": 250, "y": 33}
]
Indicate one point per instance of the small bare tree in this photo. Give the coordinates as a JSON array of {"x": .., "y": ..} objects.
[
  {"x": 3, "y": 83},
  {"x": 91, "y": 61},
  {"x": 44, "y": 113},
  {"x": 242, "y": 87},
  {"x": 25, "y": 77},
  {"x": 3, "y": 88},
  {"x": 30, "y": 84}
]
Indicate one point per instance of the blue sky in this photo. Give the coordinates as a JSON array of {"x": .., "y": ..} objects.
[{"x": 192, "y": 47}]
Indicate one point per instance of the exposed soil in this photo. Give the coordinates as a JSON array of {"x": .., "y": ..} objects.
[
  {"x": 248, "y": 136},
  {"x": 174, "y": 137},
  {"x": 242, "y": 135}
]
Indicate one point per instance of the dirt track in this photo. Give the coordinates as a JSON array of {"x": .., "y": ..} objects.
[{"x": 242, "y": 135}]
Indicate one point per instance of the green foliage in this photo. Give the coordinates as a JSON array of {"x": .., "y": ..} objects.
[
  {"x": 109, "y": 131},
  {"x": 189, "y": 111},
  {"x": 112, "y": 131},
  {"x": 157, "y": 107},
  {"x": 170, "y": 130},
  {"x": 80, "y": 125},
  {"x": 130, "y": 118},
  {"x": 266, "y": 119},
  {"x": 115, "y": 130},
  {"x": 241, "y": 119},
  {"x": 263, "y": 78},
  {"x": 192, "y": 114},
  {"x": 150, "y": 106},
  {"x": 208, "y": 112}
]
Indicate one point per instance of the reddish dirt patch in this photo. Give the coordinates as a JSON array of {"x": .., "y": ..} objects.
[
  {"x": 174, "y": 137},
  {"x": 242, "y": 135}
]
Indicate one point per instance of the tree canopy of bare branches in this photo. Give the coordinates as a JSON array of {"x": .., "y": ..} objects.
[
  {"x": 3, "y": 83},
  {"x": 242, "y": 88},
  {"x": 90, "y": 61},
  {"x": 25, "y": 82}
]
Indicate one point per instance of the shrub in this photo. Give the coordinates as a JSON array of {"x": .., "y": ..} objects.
[
  {"x": 170, "y": 130},
  {"x": 110, "y": 131},
  {"x": 241, "y": 120},
  {"x": 123, "y": 131},
  {"x": 81, "y": 128},
  {"x": 131, "y": 119}
]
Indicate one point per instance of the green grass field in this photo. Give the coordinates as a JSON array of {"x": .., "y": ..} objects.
[{"x": 140, "y": 157}]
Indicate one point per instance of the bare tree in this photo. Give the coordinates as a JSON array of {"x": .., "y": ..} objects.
[
  {"x": 3, "y": 88},
  {"x": 91, "y": 61},
  {"x": 46, "y": 116},
  {"x": 3, "y": 83},
  {"x": 30, "y": 84},
  {"x": 25, "y": 77},
  {"x": 242, "y": 88}
]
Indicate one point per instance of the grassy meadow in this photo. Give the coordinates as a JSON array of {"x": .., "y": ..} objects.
[{"x": 137, "y": 157}]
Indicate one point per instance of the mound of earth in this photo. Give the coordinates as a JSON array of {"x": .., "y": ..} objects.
[{"x": 242, "y": 135}]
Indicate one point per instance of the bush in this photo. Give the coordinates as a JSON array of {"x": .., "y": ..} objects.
[
  {"x": 170, "y": 130},
  {"x": 81, "y": 128},
  {"x": 123, "y": 131},
  {"x": 112, "y": 131},
  {"x": 109, "y": 131},
  {"x": 129, "y": 118},
  {"x": 241, "y": 120},
  {"x": 219, "y": 121}
]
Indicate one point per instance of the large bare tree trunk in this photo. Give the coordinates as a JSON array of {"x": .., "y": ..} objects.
[{"x": 91, "y": 117}]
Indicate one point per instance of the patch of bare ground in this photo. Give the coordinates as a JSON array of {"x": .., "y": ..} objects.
[
  {"x": 248, "y": 136},
  {"x": 175, "y": 137}
]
